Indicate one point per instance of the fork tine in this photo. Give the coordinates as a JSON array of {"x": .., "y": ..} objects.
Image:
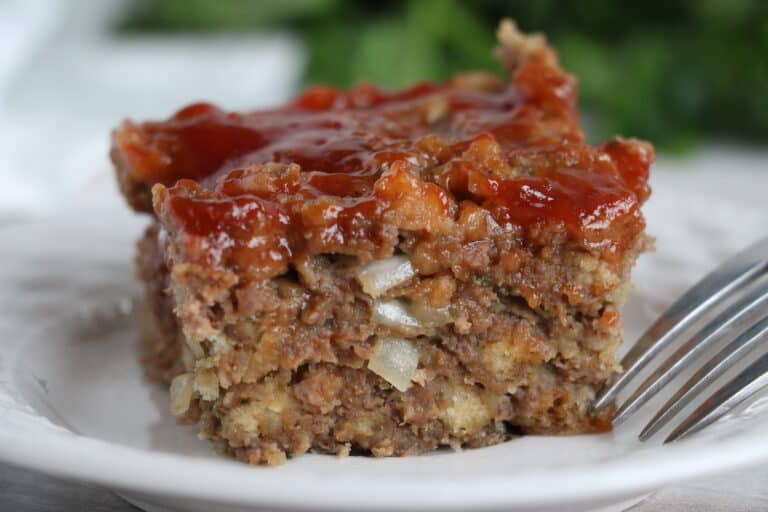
[
  {"x": 709, "y": 292},
  {"x": 710, "y": 372},
  {"x": 734, "y": 319},
  {"x": 745, "y": 385}
]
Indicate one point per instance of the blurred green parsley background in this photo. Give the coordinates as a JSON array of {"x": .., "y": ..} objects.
[{"x": 670, "y": 71}]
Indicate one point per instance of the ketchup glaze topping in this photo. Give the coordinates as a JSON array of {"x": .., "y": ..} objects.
[{"x": 344, "y": 171}]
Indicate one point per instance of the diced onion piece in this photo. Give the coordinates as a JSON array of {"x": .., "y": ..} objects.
[
  {"x": 379, "y": 276},
  {"x": 395, "y": 360},
  {"x": 181, "y": 394},
  {"x": 394, "y": 313},
  {"x": 430, "y": 316}
]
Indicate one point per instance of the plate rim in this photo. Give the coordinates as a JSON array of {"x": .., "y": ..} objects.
[{"x": 93, "y": 460}]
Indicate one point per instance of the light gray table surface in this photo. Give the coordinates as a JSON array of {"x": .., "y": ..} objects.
[{"x": 26, "y": 491}]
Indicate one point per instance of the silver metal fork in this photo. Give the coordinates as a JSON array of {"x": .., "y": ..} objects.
[{"x": 738, "y": 289}]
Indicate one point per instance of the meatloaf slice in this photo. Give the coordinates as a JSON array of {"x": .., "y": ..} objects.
[{"x": 387, "y": 272}]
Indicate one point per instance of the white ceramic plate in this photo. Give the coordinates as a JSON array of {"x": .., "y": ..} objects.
[{"x": 73, "y": 402}]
